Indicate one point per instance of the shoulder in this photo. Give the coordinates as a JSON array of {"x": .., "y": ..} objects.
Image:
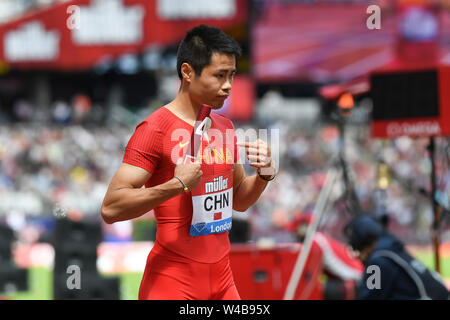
[
  {"x": 379, "y": 260},
  {"x": 158, "y": 121},
  {"x": 383, "y": 262}
]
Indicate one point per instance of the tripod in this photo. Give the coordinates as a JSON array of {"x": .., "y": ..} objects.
[
  {"x": 333, "y": 175},
  {"x": 337, "y": 170}
]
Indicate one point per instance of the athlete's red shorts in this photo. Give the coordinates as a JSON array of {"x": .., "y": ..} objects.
[{"x": 168, "y": 276}]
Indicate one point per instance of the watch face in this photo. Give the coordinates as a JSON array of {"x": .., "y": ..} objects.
[{"x": 418, "y": 24}]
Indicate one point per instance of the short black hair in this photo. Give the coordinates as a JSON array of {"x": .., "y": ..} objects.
[{"x": 199, "y": 44}]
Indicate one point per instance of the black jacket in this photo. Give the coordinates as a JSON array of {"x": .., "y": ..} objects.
[{"x": 395, "y": 282}]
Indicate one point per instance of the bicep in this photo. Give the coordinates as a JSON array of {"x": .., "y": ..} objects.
[{"x": 129, "y": 176}]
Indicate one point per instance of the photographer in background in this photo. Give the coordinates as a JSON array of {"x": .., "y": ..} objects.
[{"x": 399, "y": 276}]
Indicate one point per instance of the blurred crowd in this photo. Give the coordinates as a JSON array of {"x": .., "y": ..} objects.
[
  {"x": 304, "y": 168},
  {"x": 50, "y": 170},
  {"x": 402, "y": 192}
]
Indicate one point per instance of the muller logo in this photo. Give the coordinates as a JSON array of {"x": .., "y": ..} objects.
[{"x": 218, "y": 184}]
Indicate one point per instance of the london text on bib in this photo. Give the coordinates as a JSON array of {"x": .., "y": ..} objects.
[{"x": 212, "y": 203}]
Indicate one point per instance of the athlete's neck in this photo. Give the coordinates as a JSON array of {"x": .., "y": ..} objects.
[{"x": 184, "y": 107}]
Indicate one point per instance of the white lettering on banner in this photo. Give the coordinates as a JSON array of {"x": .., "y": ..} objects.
[
  {"x": 196, "y": 9},
  {"x": 218, "y": 184},
  {"x": 109, "y": 22},
  {"x": 31, "y": 43},
  {"x": 420, "y": 128}
]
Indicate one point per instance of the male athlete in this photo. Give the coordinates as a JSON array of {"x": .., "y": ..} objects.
[{"x": 192, "y": 200}]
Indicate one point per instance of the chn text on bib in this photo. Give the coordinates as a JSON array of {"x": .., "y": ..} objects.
[{"x": 212, "y": 203}]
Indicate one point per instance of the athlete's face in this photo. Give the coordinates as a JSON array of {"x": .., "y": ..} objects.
[{"x": 214, "y": 84}]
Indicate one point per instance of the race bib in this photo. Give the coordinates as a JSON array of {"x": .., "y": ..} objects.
[{"x": 212, "y": 203}]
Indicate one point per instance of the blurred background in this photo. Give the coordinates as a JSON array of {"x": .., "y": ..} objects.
[{"x": 77, "y": 76}]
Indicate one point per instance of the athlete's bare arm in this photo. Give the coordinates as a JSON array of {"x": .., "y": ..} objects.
[
  {"x": 125, "y": 199},
  {"x": 247, "y": 190}
]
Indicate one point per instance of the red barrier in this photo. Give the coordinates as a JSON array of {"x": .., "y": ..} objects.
[{"x": 263, "y": 274}]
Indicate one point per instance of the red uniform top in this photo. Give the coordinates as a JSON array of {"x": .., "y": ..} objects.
[{"x": 157, "y": 144}]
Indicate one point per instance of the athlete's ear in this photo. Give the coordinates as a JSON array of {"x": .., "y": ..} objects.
[{"x": 187, "y": 72}]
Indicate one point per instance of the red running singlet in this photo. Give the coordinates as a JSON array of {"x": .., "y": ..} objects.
[{"x": 180, "y": 263}]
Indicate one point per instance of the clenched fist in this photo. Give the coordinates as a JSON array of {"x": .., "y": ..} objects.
[
  {"x": 189, "y": 173},
  {"x": 260, "y": 157}
]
